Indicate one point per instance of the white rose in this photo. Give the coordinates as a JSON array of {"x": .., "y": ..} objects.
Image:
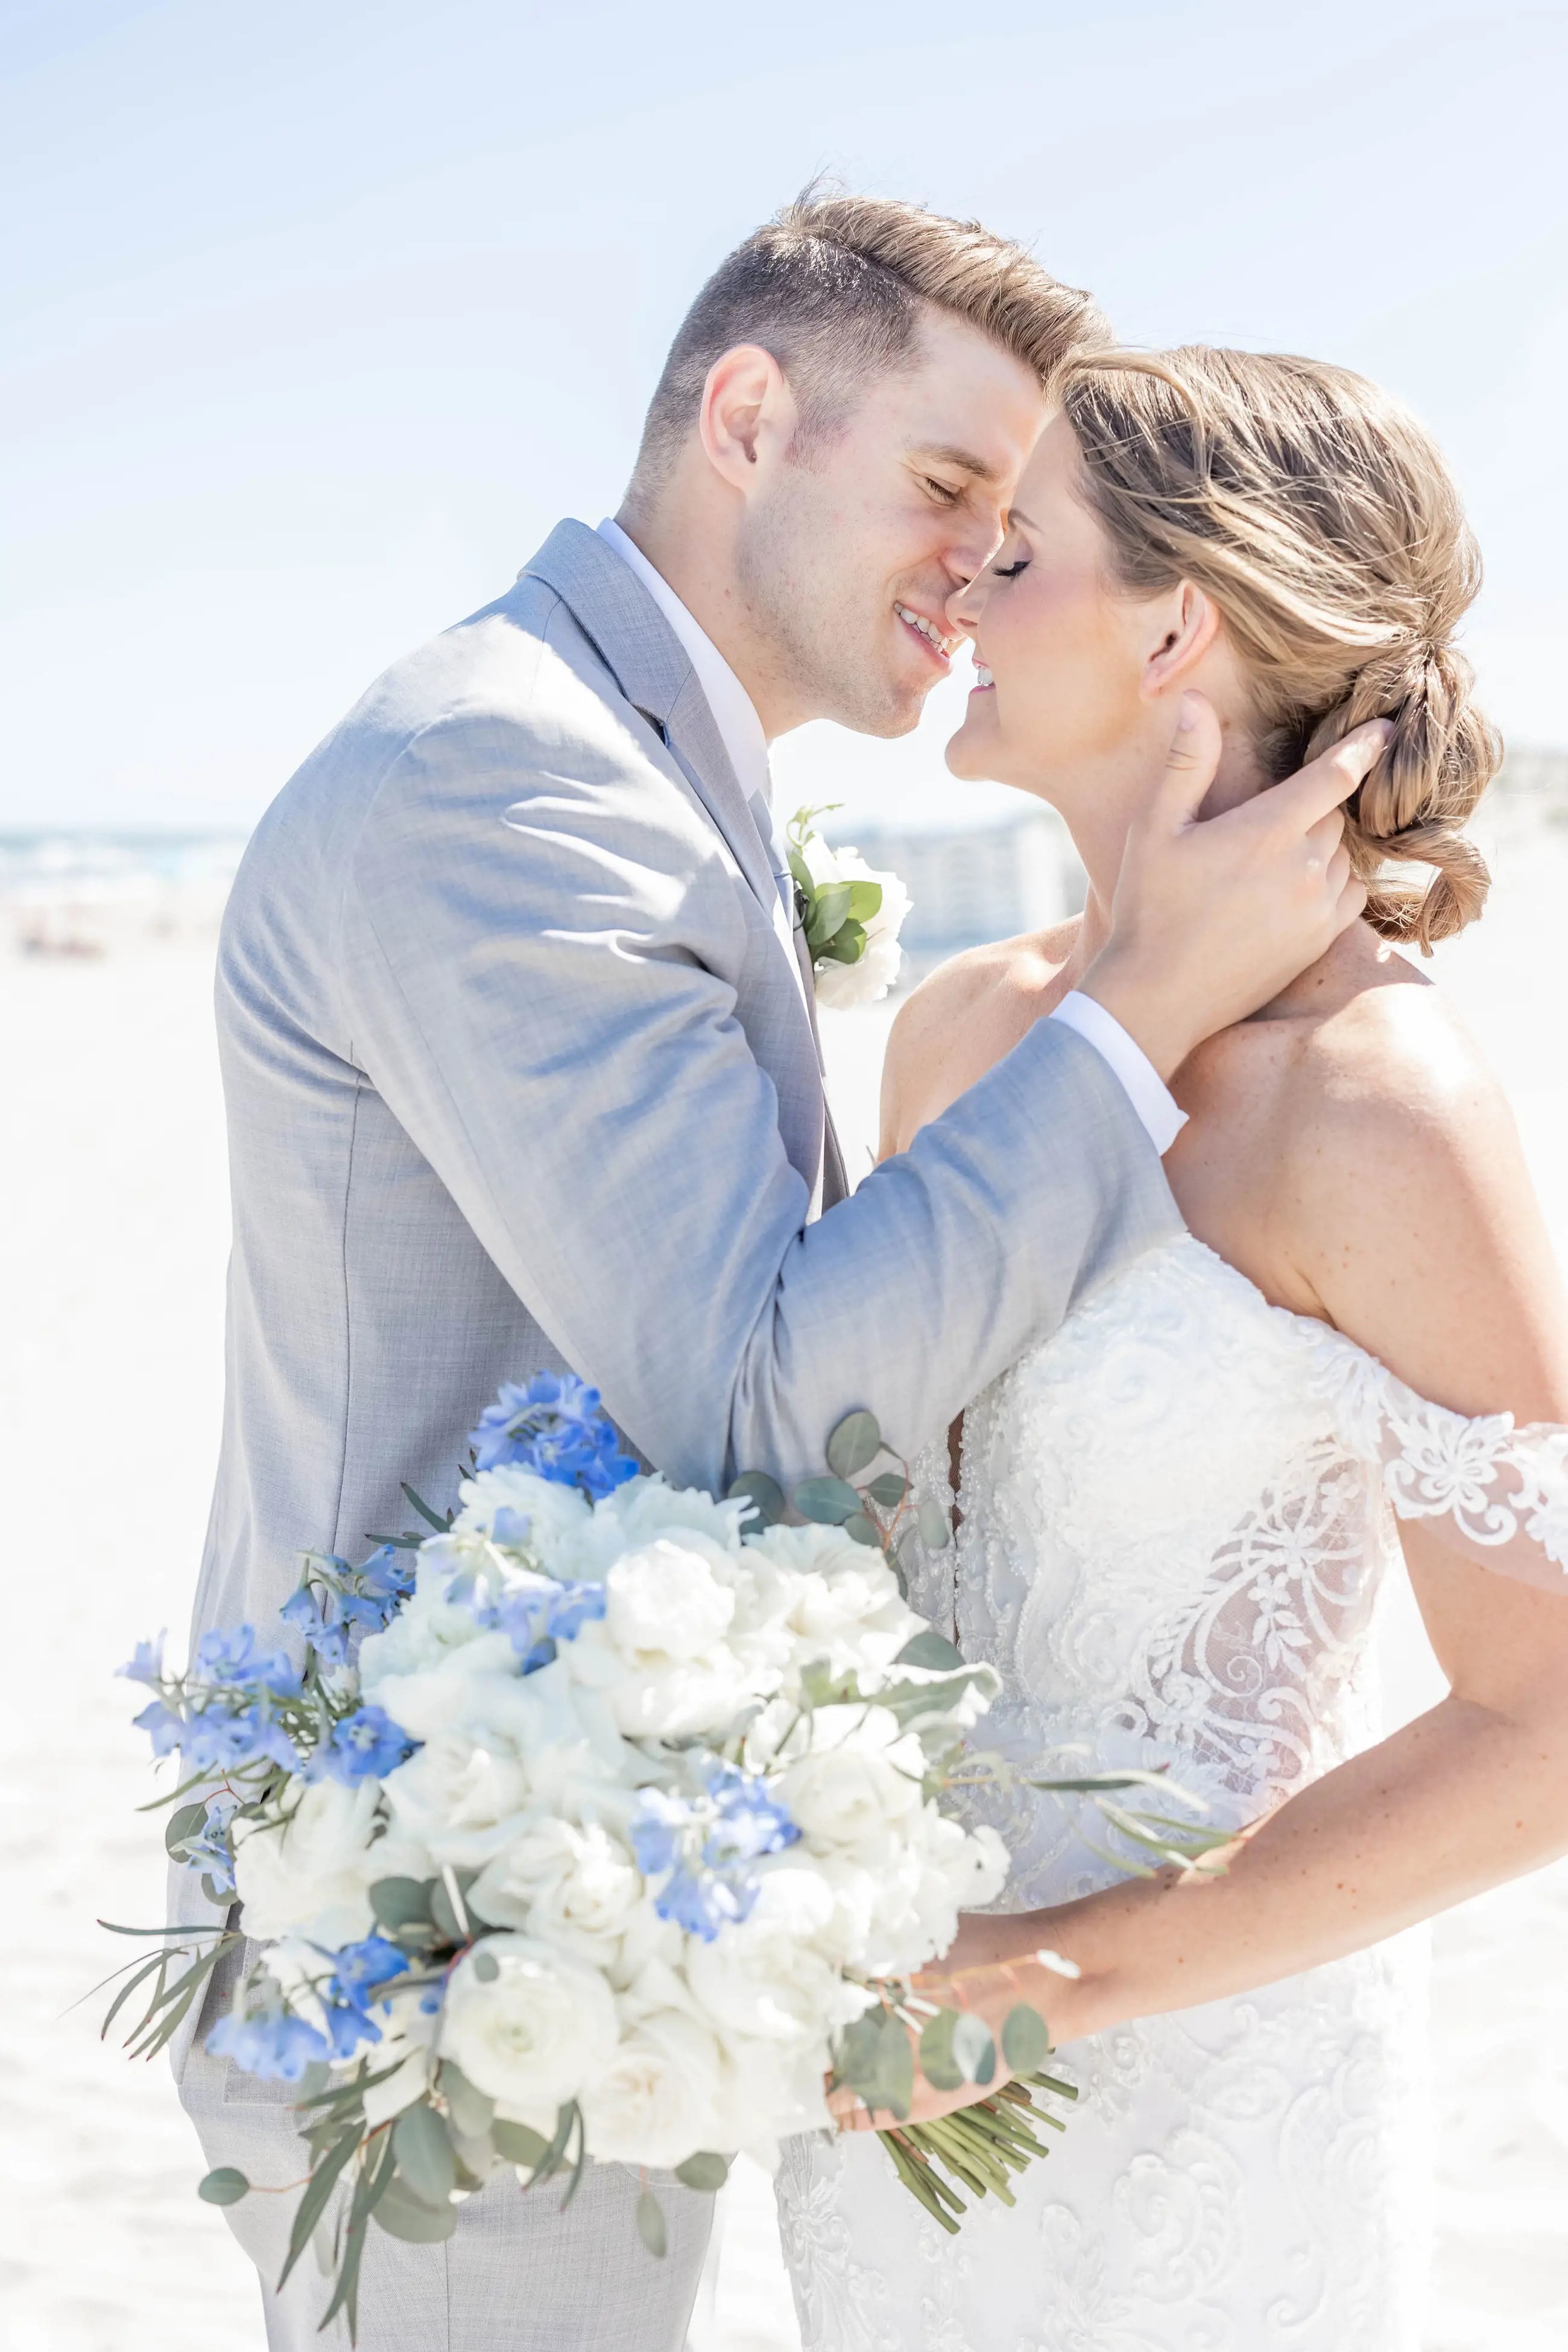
[
  {"x": 658, "y": 2100},
  {"x": 842, "y": 986},
  {"x": 974, "y": 1861},
  {"x": 461, "y": 1686},
  {"x": 665, "y": 1600},
  {"x": 646, "y": 1508},
  {"x": 426, "y": 1630},
  {"x": 539, "y": 2032},
  {"x": 461, "y": 1801},
  {"x": 576, "y": 1887},
  {"x": 680, "y": 1700},
  {"x": 767, "y": 1979},
  {"x": 565, "y": 1533},
  {"x": 860, "y": 1775},
  {"x": 311, "y": 1874}
]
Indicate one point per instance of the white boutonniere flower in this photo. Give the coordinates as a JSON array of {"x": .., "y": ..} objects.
[{"x": 851, "y": 913}]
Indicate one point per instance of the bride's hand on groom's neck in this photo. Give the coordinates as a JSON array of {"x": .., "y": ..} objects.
[{"x": 1212, "y": 918}]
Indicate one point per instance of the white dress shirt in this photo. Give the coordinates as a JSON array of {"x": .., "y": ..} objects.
[{"x": 740, "y": 731}]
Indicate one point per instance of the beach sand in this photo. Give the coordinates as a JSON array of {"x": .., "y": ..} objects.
[{"x": 113, "y": 1246}]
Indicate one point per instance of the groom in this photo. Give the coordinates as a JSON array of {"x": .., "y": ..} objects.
[{"x": 519, "y": 1049}]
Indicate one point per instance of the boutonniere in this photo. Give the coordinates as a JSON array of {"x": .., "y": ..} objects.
[{"x": 850, "y": 914}]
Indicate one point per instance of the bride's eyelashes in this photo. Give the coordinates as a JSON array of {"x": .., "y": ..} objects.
[{"x": 1010, "y": 570}]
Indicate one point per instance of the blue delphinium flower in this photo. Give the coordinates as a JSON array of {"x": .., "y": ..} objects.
[
  {"x": 555, "y": 1428},
  {"x": 207, "y": 1849},
  {"x": 163, "y": 1726},
  {"x": 147, "y": 1665},
  {"x": 335, "y": 1603},
  {"x": 538, "y": 1612},
  {"x": 358, "y": 1970},
  {"x": 704, "y": 1845},
  {"x": 231, "y": 1659},
  {"x": 219, "y": 1739},
  {"x": 364, "y": 1745},
  {"x": 279, "y": 2048}
]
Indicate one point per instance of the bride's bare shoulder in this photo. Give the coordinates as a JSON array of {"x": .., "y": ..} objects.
[
  {"x": 1403, "y": 1191},
  {"x": 963, "y": 1019}
]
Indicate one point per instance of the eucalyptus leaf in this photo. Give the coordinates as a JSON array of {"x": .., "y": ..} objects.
[
  {"x": 863, "y": 1530},
  {"x": 888, "y": 1490},
  {"x": 224, "y": 2187},
  {"x": 487, "y": 1967},
  {"x": 518, "y": 2144},
  {"x": 705, "y": 2171},
  {"x": 865, "y": 901},
  {"x": 829, "y": 1501},
  {"x": 974, "y": 2052},
  {"x": 764, "y": 1493},
  {"x": 401, "y": 1902},
  {"x": 650, "y": 2223},
  {"x": 313, "y": 2203},
  {"x": 929, "y": 1649},
  {"x": 1026, "y": 2039},
  {"x": 472, "y": 2111},
  {"x": 938, "y": 2063},
  {"x": 854, "y": 1444},
  {"x": 184, "y": 1824},
  {"x": 932, "y": 1521},
  {"x": 402, "y": 2215},
  {"x": 424, "y": 2158}
]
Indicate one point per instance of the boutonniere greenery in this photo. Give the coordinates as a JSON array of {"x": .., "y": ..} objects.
[{"x": 852, "y": 915}]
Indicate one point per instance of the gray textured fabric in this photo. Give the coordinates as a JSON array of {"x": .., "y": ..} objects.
[{"x": 519, "y": 1075}]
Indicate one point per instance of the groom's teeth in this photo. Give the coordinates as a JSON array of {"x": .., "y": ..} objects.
[{"x": 917, "y": 620}]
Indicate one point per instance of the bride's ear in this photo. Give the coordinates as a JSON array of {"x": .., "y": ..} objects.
[{"x": 1188, "y": 625}]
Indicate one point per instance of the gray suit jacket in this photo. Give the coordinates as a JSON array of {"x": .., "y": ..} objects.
[{"x": 519, "y": 1075}]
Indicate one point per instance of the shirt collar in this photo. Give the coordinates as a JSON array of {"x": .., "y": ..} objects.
[{"x": 733, "y": 712}]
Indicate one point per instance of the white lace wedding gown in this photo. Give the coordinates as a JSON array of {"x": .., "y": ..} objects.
[{"x": 1176, "y": 1522}]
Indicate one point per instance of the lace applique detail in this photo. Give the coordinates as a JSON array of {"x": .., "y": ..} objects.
[{"x": 1502, "y": 1491}]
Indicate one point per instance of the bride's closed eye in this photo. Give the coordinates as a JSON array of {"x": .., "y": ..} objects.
[{"x": 1010, "y": 570}]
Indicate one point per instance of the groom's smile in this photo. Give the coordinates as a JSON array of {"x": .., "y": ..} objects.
[{"x": 932, "y": 639}]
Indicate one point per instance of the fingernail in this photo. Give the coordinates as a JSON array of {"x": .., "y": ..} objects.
[{"x": 1187, "y": 715}]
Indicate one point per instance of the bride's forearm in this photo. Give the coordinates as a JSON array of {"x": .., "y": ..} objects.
[{"x": 1460, "y": 1800}]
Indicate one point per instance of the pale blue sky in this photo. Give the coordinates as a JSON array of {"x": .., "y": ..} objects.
[{"x": 318, "y": 315}]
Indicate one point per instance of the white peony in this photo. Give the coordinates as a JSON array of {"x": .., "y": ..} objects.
[
  {"x": 860, "y": 1775},
  {"x": 577, "y": 1887},
  {"x": 665, "y": 1602},
  {"x": 462, "y": 1801},
  {"x": 659, "y": 2099},
  {"x": 539, "y": 2031},
  {"x": 770, "y": 1978},
  {"x": 311, "y": 1875}
]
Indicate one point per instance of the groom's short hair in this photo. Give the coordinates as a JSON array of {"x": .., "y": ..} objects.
[{"x": 833, "y": 286}]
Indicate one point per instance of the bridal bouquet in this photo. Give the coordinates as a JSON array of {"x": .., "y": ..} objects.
[{"x": 602, "y": 1821}]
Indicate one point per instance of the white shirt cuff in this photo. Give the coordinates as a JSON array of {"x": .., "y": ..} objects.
[{"x": 1140, "y": 1081}]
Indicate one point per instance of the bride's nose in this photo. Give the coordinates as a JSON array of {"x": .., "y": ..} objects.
[{"x": 967, "y": 603}]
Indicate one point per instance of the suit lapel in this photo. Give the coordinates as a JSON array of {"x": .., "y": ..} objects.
[{"x": 649, "y": 663}]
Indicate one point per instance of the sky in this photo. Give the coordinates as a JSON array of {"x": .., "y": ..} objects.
[{"x": 317, "y": 317}]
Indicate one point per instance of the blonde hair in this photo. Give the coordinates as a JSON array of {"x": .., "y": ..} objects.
[
  {"x": 832, "y": 287},
  {"x": 1323, "y": 523}
]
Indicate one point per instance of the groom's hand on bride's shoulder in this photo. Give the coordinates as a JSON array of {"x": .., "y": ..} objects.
[{"x": 1213, "y": 917}]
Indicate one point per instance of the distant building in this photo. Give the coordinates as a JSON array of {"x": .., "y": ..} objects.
[{"x": 971, "y": 882}]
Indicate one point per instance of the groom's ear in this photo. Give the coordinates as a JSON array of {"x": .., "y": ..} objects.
[
  {"x": 1184, "y": 625},
  {"x": 747, "y": 416}
]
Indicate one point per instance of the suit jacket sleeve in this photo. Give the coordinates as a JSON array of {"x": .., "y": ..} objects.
[{"x": 536, "y": 936}]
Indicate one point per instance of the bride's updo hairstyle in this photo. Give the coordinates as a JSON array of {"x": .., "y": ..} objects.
[{"x": 1322, "y": 523}]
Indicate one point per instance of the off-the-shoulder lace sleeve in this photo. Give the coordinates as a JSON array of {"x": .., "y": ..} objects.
[{"x": 1495, "y": 1491}]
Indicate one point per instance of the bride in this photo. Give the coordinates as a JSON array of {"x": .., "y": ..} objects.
[{"x": 1176, "y": 1515}]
